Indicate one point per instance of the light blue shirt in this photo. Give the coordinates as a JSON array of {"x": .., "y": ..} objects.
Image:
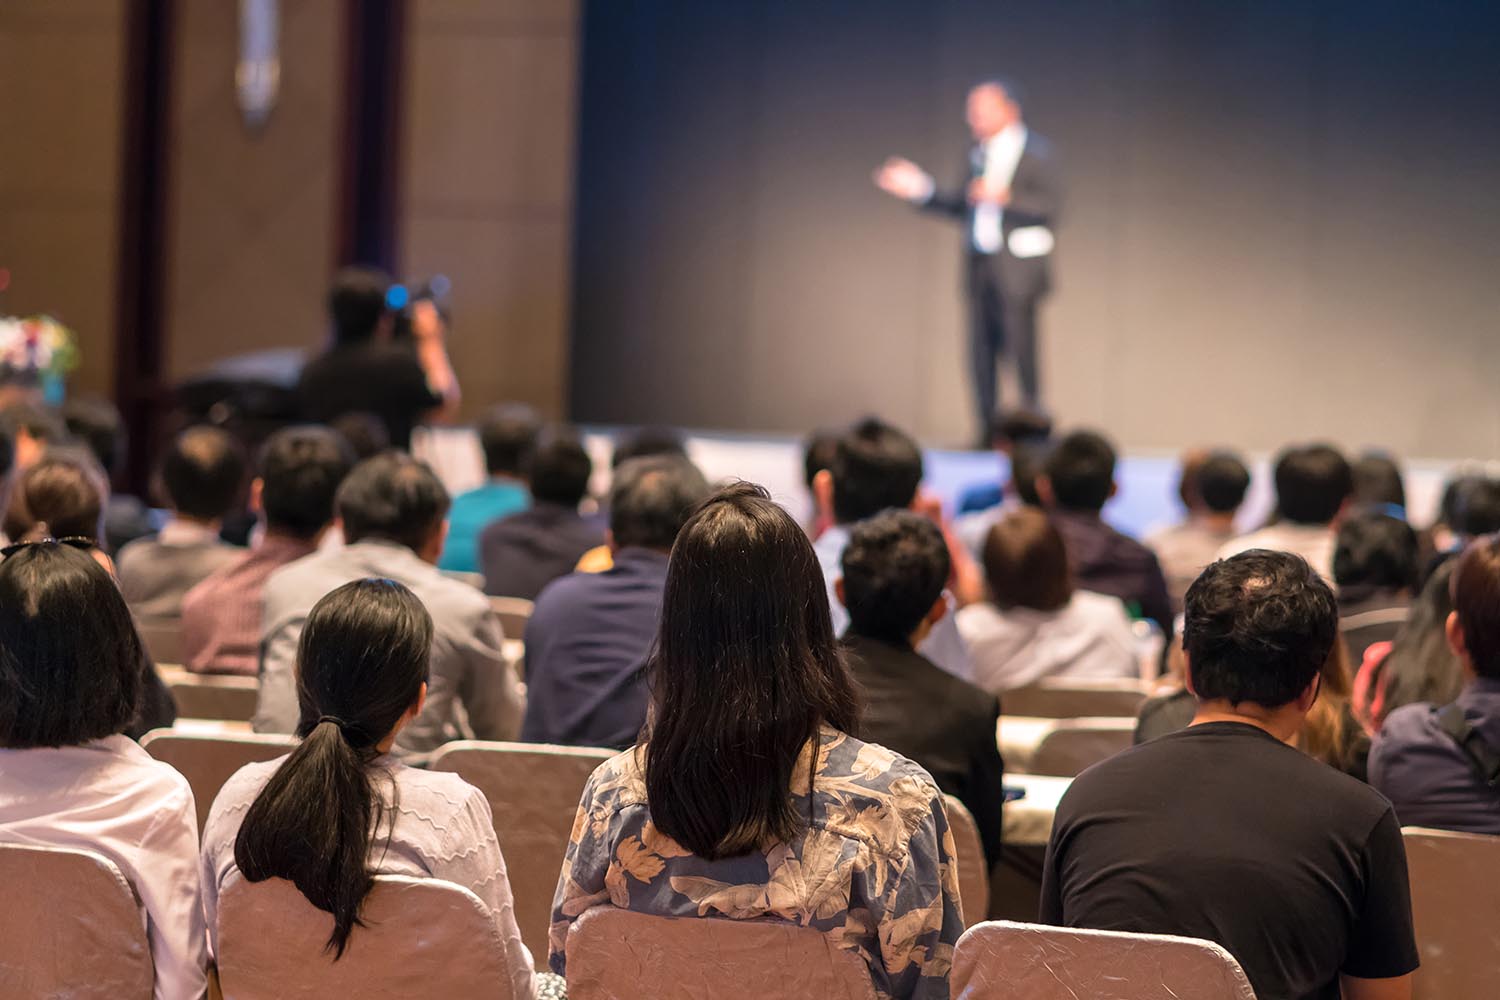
[{"x": 469, "y": 515}]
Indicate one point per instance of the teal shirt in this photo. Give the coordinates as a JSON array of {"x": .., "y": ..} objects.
[{"x": 470, "y": 513}]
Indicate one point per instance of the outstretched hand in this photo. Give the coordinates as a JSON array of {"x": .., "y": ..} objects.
[{"x": 900, "y": 177}]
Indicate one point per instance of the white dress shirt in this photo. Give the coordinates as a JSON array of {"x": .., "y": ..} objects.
[
  {"x": 110, "y": 796},
  {"x": 1088, "y": 638},
  {"x": 1002, "y": 154}
]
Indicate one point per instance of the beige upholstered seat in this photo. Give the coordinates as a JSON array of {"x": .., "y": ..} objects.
[
  {"x": 1072, "y": 699},
  {"x": 533, "y": 790},
  {"x": 163, "y": 640},
  {"x": 514, "y": 613},
  {"x": 421, "y": 939},
  {"x": 211, "y": 696},
  {"x": 209, "y": 761},
  {"x": 614, "y": 954},
  {"x": 1010, "y": 961},
  {"x": 1455, "y": 902},
  {"x": 71, "y": 927},
  {"x": 1073, "y": 745},
  {"x": 973, "y": 870}
]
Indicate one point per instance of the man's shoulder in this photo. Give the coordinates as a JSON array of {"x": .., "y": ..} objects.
[{"x": 1411, "y": 725}]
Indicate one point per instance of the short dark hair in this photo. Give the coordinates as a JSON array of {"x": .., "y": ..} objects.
[
  {"x": 875, "y": 467},
  {"x": 1473, "y": 509},
  {"x": 1374, "y": 549},
  {"x": 1013, "y": 427},
  {"x": 394, "y": 497},
  {"x": 366, "y": 433},
  {"x": 1026, "y": 563},
  {"x": 1081, "y": 469},
  {"x": 96, "y": 423},
  {"x": 1028, "y": 463},
  {"x": 560, "y": 468},
  {"x": 71, "y": 664},
  {"x": 895, "y": 568},
  {"x": 817, "y": 453},
  {"x": 356, "y": 303},
  {"x": 651, "y": 498},
  {"x": 1222, "y": 480},
  {"x": 1259, "y": 628},
  {"x": 62, "y": 495},
  {"x": 1476, "y": 601},
  {"x": 7, "y": 453},
  {"x": 39, "y": 422},
  {"x": 202, "y": 472},
  {"x": 300, "y": 471},
  {"x": 508, "y": 434},
  {"x": 1376, "y": 479},
  {"x": 1312, "y": 483},
  {"x": 648, "y": 441}
]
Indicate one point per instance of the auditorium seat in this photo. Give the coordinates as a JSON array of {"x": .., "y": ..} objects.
[
  {"x": 973, "y": 871},
  {"x": 1457, "y": 913},
  {"x": 163, "y": 641},
  {"x": 419, "y": 939},
  {"x": 1013, "y": 961},
  {"x": 514, "y": 613},
  {"x": 209, "y": 761},
  {"x": 1072, "y": 699},
  {"x": 615, "y": 954},
  {"x": 229, "y": 697},
  {"x": 475, "y": 580},
  {"x": 70, "y": 927},
  {"x": 1061, "y": 747},
  {"x": 533, "y": 790}
]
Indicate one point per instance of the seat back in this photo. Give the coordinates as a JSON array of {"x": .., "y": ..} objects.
[
  {"x": 225, "y": 697},
  {"x": 1076, "y": 744},
  {"x": 533, "y": 790},
  {"x": 419, "y": 939},
  {"x": 514, "y": 613},
  {"x": 162, "y": 639},
  {"x": 1011, "y": 961},
  {"x": 209, "y": 761},
  {"x": 973, "y": 869},
  {"x": 71, "y": 927},
  {"x": 615, "y": 954},
  {"x": 1456, "y": 909},
  {"x": 1072, "y": 699}
]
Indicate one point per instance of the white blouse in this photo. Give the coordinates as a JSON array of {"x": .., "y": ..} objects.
[
  {"x": 1088, "y": 638},
  {"x": 110, "y": 796},
  {"x": 441, "y": 828}
]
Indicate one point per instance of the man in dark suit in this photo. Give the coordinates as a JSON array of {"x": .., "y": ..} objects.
[{"x": 1008, "y": 203}]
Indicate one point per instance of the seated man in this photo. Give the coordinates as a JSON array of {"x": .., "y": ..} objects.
[
  {"x": 200, "y": 476},
  {"x": 1223, "y": 830},
  {"x": 1313, "y": 484},
  {"x": 507, "y": 435},
  {"x": 300, "y": 471},
  {"x": 895, "y": 568},
  {"x": 392, "y": 509},
  {"x": 590, "y": 634},
  {"x": 1439, "y": 765},
  {"x": 1212, "y": 487}
]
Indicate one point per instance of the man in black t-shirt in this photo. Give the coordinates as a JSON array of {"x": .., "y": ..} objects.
[{"x": 1223, "y": 831}]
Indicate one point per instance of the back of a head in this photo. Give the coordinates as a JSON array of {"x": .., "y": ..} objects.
[
  {"x": 875, "y": 467},
  {"x": 356, "y": 303},
  {"x": 300, "y": 472},
  {"x": 1028, "y": 463},
  {"x": 895, "y": 568},
  {"x": 1475, "y": 506},
  {"x": 1259, "y": 627},
  {"x": 817, "y": 454},
  {"x": 651, "y": 498},
  {"x": 361, "y": 662},
  {"x": 1376, "y": 479},
  {"x": 392, "y": 497},
  {"x": 202, "y": 472},
  {"x": 38, "y": 422},
  {"x": 62, "y": 496},
  {"x": 1476, "y": 602},
  {"x": 745, "y": 671},
  {"x": 96, "y": 423},
  {"x": 1015, "y": 427},
  {"x": 560, "y": 468},
  {"x": 1221, "y": 481},
  {"x": 1081, "y": 469},
  {"x": 508, "y": 434},
  {"x": 1026, "y": 562},
  {"x": 1375, "y": 550},
  {"x": 71, "y": 664},
  {"x": 366, "y": 433},
  {"x": 1312, "y": 483},
  {"x": 648, "y": 441}
]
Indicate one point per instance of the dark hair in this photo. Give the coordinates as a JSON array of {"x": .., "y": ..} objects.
[
  {"x": 38, "y": 422},
  {"x": 1026, "y": 563},
  {"x": 1474, "y": 509},
  {"x": 1476, "y": 601},
  {"x": 1376, "y": 479},
  {"x": 1081, "y": 469},
  {"x": 391, "y": 496},
  {"x": 508, "y": 434},
  {"x": 560, "y": 468},
  {"x": 366, "y": 433},
  {"x": 1028, "y": 463},
  {"x": 875, "y": 467},
  {"x": 648, "y": 441},
  {"x": 1259, "y": 628},
  {"x": 71, "y": 664},
  {"x": 817, "y": 454},
  {"x": 356, "y": 303},
  {"x": 96, "y": 423},
  {"x": 7, "y": 453},
  {"x": 361, "y": 663},
  {"x": 62, "y": 495},
  {"x": 300, "y": 471},
  {"x": 1312, "y": 483},
  {"x": 1221, "y": 481},
  {"x": 1421, "y": 665},
  {"x": 202, "y": 472},
  {"x": 1013, "y": 90},
  {"x": 651, "y": 498},
  {"x": 1013, "y": 427},
  {"x": 895, "y": 568},
  {"x": 745, "y": 672},
  {"x": 1375, "y": 550}
]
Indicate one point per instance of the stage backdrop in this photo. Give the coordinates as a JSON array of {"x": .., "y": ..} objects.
[{"x": 1282, "y": 218}]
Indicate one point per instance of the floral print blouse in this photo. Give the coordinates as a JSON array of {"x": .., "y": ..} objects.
[{"x": 874, "y": 870}]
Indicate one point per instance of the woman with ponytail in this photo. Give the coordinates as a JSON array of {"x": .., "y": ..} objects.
[{"x": 339, "y": 809}]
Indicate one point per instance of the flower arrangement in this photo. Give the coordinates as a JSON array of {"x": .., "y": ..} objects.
[{"x": 36, "y": 346}]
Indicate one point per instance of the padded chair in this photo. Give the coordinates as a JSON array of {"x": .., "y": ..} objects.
[
  {"x": 1073, "y": 699},
  {"x": 615, "y": 954},
  {"x": 209, "y": 761},
  {"x": 973, "y": 870},
  {"x": 227, "y": 697},
  {"x": 1011, "y": 961},
  {"x": 421, "y": 939},
  {"x": 1076, "y": 744},
  {"x": 475, "y": 580},
  {"x": 71, "y": 927},
  {"x": 533, "y": 790},
  {"x": 514, "y": 613},
  {"x": 1455, "y": 902},
  {"x": 163, "y": 641}
]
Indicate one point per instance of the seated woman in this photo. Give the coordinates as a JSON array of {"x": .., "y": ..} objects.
[
  {"x": 1035, "y": 624},
  {"x": 748, "y": 797},
  {"x": 362, "y": 676},
  {"x": 71, "y": 670}
]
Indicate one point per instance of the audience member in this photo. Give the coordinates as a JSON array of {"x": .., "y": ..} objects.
[
  {"x": 1034, "y": 623},
  {"x": 71, "y": 671},
  {"x": 97, "y": 424},
  {"x": 748, "y": 797},
  {"x": 1009, "y": 430},
  {"x": 1375, "y": 570},
  {"x": 1418, "y": 665},
  {"x": 1377, "y": 482},
  {"x": 642, "y": 443},
  {"x": 590, "y": 633},
  {"x": 1470, "y": 509},
  {"x": 524, "y": 552},
  {"x": 894, "y": 571},
  {"x": 300, "y": 471},
  {"x": 392, "y": 509},
  {"x": 1212, "y": 487},
  {"x": 1222, "y": 831},
  {"x": 364, "y": 431},
  {"x": 200, "y": 477},
  {"x": 1440, "y": 764},
  {"x": 507, "y": 435},
  {"x": 32, "y": 428},
  {"x": 817, "y": 455},
  {"x": 1078, "y": 481},
  {"x": 1313, "y": 485},
  {"x": 1025, "y": 439}
]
